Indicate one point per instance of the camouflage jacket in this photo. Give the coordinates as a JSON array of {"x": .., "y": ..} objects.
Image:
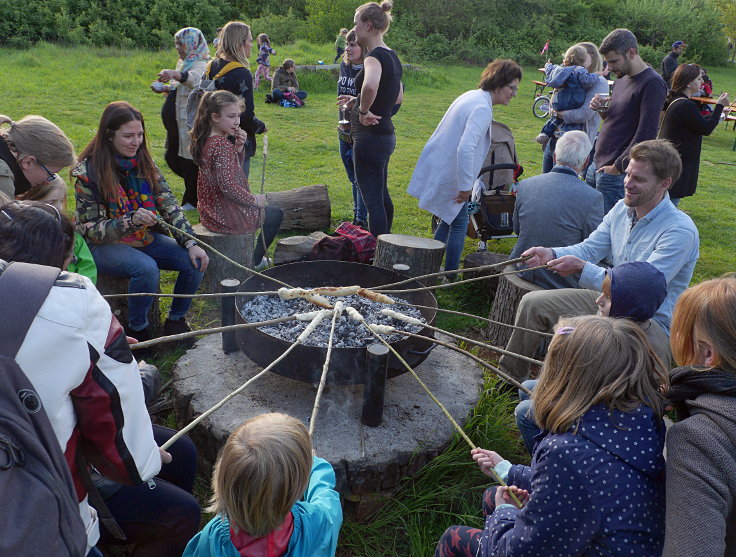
[{"x": 95, "y": 224}]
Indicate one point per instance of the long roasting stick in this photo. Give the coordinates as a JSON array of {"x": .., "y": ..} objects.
[{"x": 323, "y": 379}]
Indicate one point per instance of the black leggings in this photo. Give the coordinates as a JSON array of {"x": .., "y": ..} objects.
[
  {"x": 271, "y": 225},
  {"x": 463, "y": 541},
  {"x": 179, "y": 165},
  {"x": 159, "y": 516},
  {"x": 371, "y": 153}
]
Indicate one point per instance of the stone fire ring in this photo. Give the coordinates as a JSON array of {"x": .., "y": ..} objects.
[{"x": 368, "y": 461}]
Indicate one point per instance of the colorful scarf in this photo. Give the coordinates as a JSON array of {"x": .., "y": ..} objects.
[
  {"x": 136, "y": 193},
  {"x": 196, "y": 47}
]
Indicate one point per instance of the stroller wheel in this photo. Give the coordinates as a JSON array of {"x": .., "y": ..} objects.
[{"x": 541, "y": 107}]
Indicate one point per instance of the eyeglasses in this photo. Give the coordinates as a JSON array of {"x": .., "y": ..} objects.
[
  {"x": 51, "y": 176},
  {"x": 514, "y": 88}
]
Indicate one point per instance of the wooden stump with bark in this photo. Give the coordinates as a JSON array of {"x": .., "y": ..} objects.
[
  {"x": 422, "y": 255},
  {"x": 511, "y": 288},
  {"x": 305, "y": 208},
  {"x": 119, "y": 306},
  {"x": 238, "y": 248},
  {"x": 479, "y": 259},
  {"x": 295, "y": 248}
]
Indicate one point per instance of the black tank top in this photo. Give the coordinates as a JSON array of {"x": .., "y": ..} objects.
[{"x": 388, "y": 90}]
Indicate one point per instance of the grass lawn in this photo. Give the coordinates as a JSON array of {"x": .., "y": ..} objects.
[{"x": 71, "y": 86}]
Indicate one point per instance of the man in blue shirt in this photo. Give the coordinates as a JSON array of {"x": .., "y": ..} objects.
[{"x": 643, "y": 226}]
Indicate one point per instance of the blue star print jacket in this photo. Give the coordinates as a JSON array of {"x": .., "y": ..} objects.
[{"x": 597, "y": 491}]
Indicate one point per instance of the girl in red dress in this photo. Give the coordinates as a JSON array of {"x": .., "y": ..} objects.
[{"x": 226, "y": 205}]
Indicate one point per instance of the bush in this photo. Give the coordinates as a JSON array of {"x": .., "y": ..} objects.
[{"x": 281, "y": 29}]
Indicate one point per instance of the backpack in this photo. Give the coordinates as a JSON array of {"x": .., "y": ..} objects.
[
  {"x": 36, "y": 485},
  {"x": 205, "y": 86}
]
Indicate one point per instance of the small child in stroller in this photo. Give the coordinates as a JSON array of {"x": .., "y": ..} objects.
[{"x": 570, "y": 82}]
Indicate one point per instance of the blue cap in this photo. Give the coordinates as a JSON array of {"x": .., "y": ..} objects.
[{"x": 678, "y": 43}]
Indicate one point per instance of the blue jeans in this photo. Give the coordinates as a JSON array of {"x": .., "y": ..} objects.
[
  {"x": 360, "y": 213},
  {"x": 549, "y": 149},
  {"x": 278, "y": 94},
  {"x": 453, "y": 235},
  {"x": 141, "y": 266},
  {"x": 524, "y": 414},
  {"x": 610, "y": 185},
  {"x": 371, "y": 153}
]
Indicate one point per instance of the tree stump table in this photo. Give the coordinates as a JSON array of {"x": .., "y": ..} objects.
[
  {"x": 511, "y": 288},
  {"x": 305, "y": 208},
  {"x": 238, "y": 248},
  {"x": 480, "y": 259},
  {"x": 119, "y": 306},
  {"x": 422, "y": 255}
]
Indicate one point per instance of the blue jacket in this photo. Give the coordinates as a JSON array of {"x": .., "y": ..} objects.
[
  {"x": 317, "y": 521},
  {"x": 599, "y": 491},
  {"x": 571, "y": 83}
]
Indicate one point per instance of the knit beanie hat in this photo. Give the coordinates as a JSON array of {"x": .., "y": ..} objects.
[{"x": 638, "y": 289}]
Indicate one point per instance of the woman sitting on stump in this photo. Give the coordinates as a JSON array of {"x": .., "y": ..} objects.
[
  {"x": 227, "y": 205},
  {"x": 596, "y": 482},
  {"x": 120, "y": 195},
  {"x": 285, "y": 81}
]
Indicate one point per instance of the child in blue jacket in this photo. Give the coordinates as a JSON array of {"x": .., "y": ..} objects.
[
  {"x": 596, "y": 483},
  {"x": 264, "y": 52},
  {"x": 570, "y": 82},
  {"x": 271, "y": 496}
]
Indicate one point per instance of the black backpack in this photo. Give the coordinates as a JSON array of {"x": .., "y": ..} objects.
[{"x": 36, "y": 488}]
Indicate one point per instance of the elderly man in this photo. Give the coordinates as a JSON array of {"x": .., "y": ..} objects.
[
  {"x": 557, "y": 208},
  {"x": 644, "y": 226},
  {"x": 632, "y": 116},
  {"x": 669, "y": 63}
]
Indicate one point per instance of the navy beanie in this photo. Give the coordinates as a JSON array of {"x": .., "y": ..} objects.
[{"x": 638, "y": 289}]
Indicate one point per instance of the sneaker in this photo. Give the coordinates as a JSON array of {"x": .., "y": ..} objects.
[
  {"x": 265, "y": 262},
  {"x": 188, "y": 207},
  {"x": 176, "y": 327},
  {"x": 542, "y": 139}
]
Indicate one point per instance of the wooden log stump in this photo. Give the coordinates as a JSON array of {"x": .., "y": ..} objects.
[
  {"x": 295, "y": 248},
  {"x": 510, "y": 290},
  {"x": 119, "y": 306},
  {"x": 238, "y": 248},
  {"x": 423, "y": 255},
  {"x": 305, "y": 208},
  {"x": 479, "y": 259}
]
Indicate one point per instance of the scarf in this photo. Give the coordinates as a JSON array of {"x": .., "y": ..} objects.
[
  {"x": 195, "y": 45},
  {"x": 22, "y": 185},
  {"x": 273, "y": 544},
  {"x": 687, "y": 383},
  {"x": 134, "y": 194}
]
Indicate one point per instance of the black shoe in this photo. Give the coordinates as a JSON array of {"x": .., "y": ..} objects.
[
  {"x": 176, "y": 327},
  {"x": 363, "y": 224},
  {"x": 141, "y": 336}
]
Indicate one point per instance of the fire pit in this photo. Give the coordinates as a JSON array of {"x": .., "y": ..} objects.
[{"x": 348, "y": 365}]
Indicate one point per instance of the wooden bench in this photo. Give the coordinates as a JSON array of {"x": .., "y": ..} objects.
[{"x": 539, "y": 87}]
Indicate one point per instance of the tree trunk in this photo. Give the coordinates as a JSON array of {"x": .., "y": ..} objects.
[
  {"x": 295, "y": 248},
  {"x": 423, "y": 255},
  {"x": 479, "y": 259},
  {"x": 305, "y": 208},
  {"x": 119, "y": 306},
  {"x": 510, "y": 290},
  {"x": 239, "y": 248}
]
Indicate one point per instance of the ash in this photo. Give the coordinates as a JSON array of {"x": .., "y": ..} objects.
[{"x": 348, "y": 333}]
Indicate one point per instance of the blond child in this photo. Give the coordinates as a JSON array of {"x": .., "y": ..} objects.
[
  {"x": 271, "y": 495},
  {"x": 340, "y": 42},
  {"x": 264, "y": 51}
]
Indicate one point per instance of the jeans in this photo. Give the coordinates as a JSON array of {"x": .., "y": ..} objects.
[
  {"x": 360, "y": 213},
  {"x": 610, "y": 185},
  {"x": 371, "y": 153},
  {"x": 278, "y": 94},
  {"x": 271, "y": 225},
  {"x": 524, "y": 414},
  {"x": 141, "y": 266},
  {"x": 453, "y": 235},
  {"x": 549, "y": 149}
]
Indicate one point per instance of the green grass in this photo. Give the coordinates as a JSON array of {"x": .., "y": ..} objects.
[{"x": 71, "y": 86}]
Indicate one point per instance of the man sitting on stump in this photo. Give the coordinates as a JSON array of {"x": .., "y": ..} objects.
[{"x": 643, "y": 226}]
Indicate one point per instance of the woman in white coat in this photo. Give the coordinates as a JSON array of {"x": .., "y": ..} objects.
[
  {"x": 449, "y": 164},
  {"x": 193, "y": 56}
]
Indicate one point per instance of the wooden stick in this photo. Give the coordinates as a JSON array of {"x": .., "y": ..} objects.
[
  {"x": 240, "y": 389},
  {"x": 210, "y": 331},
  {"x": 222, "y": 255},
  {"x": 456, "y": 271},
  {"x": 384, "y": 290},
  {"x": 443, "y": 310},
  {"x": 475, "y": 358},
  {"x": 323, "y": 379},
  {"x": 213, "y": 295}
]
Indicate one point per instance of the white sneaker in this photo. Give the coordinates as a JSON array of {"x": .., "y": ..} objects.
[
  {"x": 188, "y": 207},
  {"x": 265, "y": 262}
]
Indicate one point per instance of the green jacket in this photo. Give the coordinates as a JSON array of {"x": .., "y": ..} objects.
[
  {"x": 84, "y": 264},
  {"x": 283, "y": 80},
  {"x": 340, "y": 41}
]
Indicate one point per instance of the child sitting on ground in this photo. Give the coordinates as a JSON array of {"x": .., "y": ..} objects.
[
  {"x": 570, "y": 82},
  {"x": 285, "y": 85},
  {"x": 226, "y": 205},
  {"x": 264, "y": 51},
  {"x": 596, "y": 482},
  {"x": 633, "y": 290},
  {"x": 271, "y": 496}
]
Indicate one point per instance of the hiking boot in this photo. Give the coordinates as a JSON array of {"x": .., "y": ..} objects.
[{"x": 176, "y": 327}]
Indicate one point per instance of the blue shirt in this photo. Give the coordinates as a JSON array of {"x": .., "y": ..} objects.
[{"x": 665, "y": 237}]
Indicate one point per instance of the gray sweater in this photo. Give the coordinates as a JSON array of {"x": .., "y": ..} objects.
[{"x": 701, "y": 480}]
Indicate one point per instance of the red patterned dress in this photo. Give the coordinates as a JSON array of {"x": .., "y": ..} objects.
[{"x": 225, "y": 205}]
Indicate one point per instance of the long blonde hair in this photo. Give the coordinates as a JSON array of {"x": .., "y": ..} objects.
[
  {"x": 230, "y": 46},
  {"x": 38, "y": 137},
  {"x": 263, "y": 470},
  {"x": 597, "y": 360}
]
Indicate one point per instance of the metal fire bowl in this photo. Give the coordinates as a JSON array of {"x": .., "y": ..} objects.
[{"x": 347, "y": 365}]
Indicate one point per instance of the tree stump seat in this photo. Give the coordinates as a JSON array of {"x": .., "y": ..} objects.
[
  {"x": 480, "y": 259},
  {"x": 239, "y": 248},
  {"x": 295, "y": 248},
  {"x": 511, "y": 288},
  {"x": 119, "y": 306},
  {"x": 422, "y": 255},
  {"x": 305, "y": 208}
]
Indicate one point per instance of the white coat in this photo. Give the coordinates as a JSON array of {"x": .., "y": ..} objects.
[
  {"x": 182, "y": 96},
  {"x": 453, "y": 156}
]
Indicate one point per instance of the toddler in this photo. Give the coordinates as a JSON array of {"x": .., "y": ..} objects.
[
  {"x": 264, "y": 51},
  {"x": 340, "y": 44}
]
